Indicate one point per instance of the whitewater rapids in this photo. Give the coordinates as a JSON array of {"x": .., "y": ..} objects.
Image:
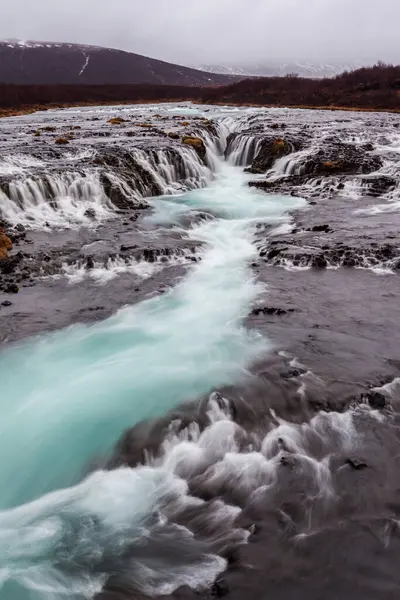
[{"x": 68, "y": 396}]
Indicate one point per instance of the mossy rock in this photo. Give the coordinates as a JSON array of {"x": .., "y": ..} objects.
[
  {"x": 116, "y": 121},
  {"x": 146, "y": 125},
  {"x": 37, "y": 134},
  {"x": 173, "y": 135},
  {"x": 49, "y": 128},
  {"x": 61, "y": 141},
  {"x": 196, "y": 143},
  {"x": 5, "y": 245},
  {"x": 332, "y": 165}
]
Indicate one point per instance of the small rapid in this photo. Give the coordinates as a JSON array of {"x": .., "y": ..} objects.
[{"x": 68, "y": 396}]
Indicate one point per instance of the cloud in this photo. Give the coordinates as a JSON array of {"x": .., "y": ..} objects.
[{"x": 215, "y": 31}]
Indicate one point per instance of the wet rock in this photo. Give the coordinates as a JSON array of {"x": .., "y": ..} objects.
[
  {"x": 269, "y": 310},
  {"x": 320, "y": 228},
  {"x": 356, "y": 464},
  {"x": 5, "y": 245},
  {"x": 11, "y": 288},
  {"x": 319, "y": 262},
  {"x": 339, "y": 158},
  {"x": 197, "y": 144},
  {"x": 376, "y": 400},
  {"x": 269, "y": 151},
  {"x": 90, "y": 213},
  {"x": 219, "y": 588},
  {"x": 293, "y": 373},
  {"x": 89, "y": 263},
  {"x": 116, "y": 121},
  {"x": 379, "y": 185},
  {"x": 62, "y": 141}
]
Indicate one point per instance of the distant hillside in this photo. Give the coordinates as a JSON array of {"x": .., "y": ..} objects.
[
  {"x": 375, "y": 87},
  {"x": 44, "y": 63},
  {"x": 281, "y": 69}
]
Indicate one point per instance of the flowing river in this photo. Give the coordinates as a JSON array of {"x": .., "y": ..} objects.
[
  {"x": 69, "y": 395},
  {"x": 199, "y": 374}
]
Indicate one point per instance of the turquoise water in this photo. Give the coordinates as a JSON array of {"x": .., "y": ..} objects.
[{"x": 66, "y": 397}]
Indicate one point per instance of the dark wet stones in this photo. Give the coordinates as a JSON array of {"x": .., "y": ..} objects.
[
  {"x": 89, "y": 263},
  {"x": 270, "y": 150},
  {"x": 356, "y": 464},
  {"x": 319, "y": 262},
  {"x": 219, "y": 588},
  {"x": 269, "y": 310},
  {"x": 338, "y": 255},
  {"x": 376, "y": 400},
  {"x": 320, "y": 228},
  {"x": 11, "y": 288},
  {"x": 6, "y": 303},
  {"x": 90, "y": 213},
  {"x": 293, "y": 373}
]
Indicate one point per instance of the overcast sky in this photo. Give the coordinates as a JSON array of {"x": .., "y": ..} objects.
[{"x": 215, "y": 31}]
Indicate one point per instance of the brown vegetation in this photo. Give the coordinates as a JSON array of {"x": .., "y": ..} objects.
[
  {"x": 373, "y": 88},
  {"x": 5, "y": 244}
]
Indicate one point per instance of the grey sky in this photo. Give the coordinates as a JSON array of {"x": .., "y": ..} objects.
[{"x": 215, "y": 31}]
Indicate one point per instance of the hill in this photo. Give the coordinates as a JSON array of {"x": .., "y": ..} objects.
[
  {"x": 376, "y": 87},
  {"x": 373, "y": 88},
  {"x": 45, "y": 63}
]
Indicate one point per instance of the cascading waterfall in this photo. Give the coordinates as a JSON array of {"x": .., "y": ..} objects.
[
  {"x": 64, "y": 199},
  {"x": 243, "y": 149},
  {"x": 68, "y": 396}
]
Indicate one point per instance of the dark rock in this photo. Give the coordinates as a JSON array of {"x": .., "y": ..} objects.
[
  {"x": 124, "y": 248},
  {"x": 349, "y": 262},
  {"x": 376, "y": 400},
  {"x": 12, "y": 288},
  {"x": 6, "y": 303},
  {"x": 356, "y": 464},
  {"x": 219, "y": 588},
  {"x": 320, "y": 228},
  {"x": 269, "y": 151},
  {"x": 89, "y": 263},
  {"x": 90, "y": 212},
  {"x": 292, "y": 373},
  {"x": 319, "y": 262}
]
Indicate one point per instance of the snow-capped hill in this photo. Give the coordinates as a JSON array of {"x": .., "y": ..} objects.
[{"x": 36, "y": 62}]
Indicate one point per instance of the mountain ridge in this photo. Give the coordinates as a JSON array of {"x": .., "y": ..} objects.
[{"x": 63, "y": 63}]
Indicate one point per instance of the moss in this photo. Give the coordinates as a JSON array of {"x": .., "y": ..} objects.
[
  {"x": 279, "y": 145},
  {"x": 37, "y": 134},
  {"x": 116, "y": 121},
  {"x": 196, "y": 142},
  {"x": 331, "y": 165},
  {"x": 5, "y": 245}
]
